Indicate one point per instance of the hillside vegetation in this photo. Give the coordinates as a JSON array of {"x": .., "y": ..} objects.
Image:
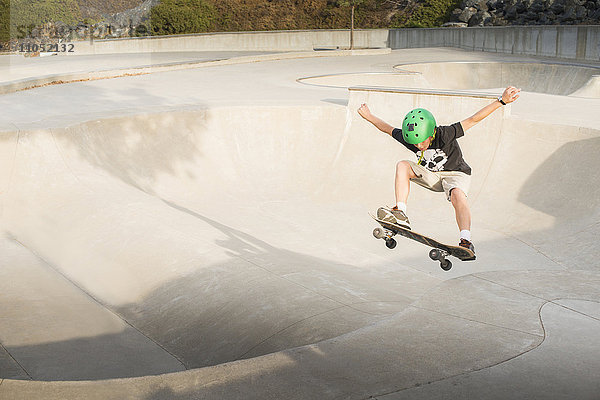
[
  {"x": 187, "y": 16},
  {"x": 190, "y": 16},
  {"x": 24, "y": 15},
  {"x": 19, "y": 17},
  {"x": 238, "y": 15}
]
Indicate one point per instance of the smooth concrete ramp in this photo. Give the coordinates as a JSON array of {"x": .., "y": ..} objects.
[
  {"x": 568, "y": 325},
  {"x": 531, "y": 76},
  {"x": 541, "y": 77},
  {"x": 226, "y": 233}
]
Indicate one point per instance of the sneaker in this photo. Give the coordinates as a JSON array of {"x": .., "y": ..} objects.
[
  {"x": 467, "y": 245},
  {"x": 394, "y": 216}
]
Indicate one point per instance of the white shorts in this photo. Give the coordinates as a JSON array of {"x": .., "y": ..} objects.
[{"x": 443, "y": 181}]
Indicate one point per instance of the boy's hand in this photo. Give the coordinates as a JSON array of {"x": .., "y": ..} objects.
[
  {"x": 383, "y": 126},
  {"x": 510, "y": 94},
  {"x": 364, "y": 112}
]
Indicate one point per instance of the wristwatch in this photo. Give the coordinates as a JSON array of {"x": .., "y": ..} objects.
[{"x": 501, "y": 101}]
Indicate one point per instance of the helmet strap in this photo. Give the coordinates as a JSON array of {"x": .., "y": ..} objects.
[{"x": 423, "y": 152}]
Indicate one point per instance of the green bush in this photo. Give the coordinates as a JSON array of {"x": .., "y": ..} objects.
[
  {"x": 27, "y": 14},
  {"x": 264, "y": 15},
  {"x": 4, "y": 20},
  {"x": 427, "y": 14},
  {"x": 195, "y": 16},
  {"x": 172, "y": 17}
]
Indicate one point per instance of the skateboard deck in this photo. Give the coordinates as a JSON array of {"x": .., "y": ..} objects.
[{"x": 439, "y": 250}]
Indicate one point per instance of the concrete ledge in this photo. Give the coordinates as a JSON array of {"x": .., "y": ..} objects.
[
  {"x": 372, "y": 79},
  {"x": 425, "y": 92}
]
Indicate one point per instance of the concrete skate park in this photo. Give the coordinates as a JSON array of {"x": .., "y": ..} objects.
[{"x": 187, "y": 218}]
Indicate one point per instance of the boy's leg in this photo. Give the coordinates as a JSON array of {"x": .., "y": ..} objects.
[
  {"x": 404, "y": 173},
  {"x": 456, "y": 185},
  {"x": 458, "y": 198},
  {"x": 397, "y": 215}
]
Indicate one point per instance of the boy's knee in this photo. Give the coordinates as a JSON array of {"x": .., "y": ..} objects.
[
  {"x": 457, "y": 196},
  {"x": 405, "y": 168},
  {"x": 402, "y": 165}
]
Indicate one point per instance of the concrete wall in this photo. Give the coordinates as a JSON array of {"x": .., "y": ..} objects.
[
  {"x": 580, "y": 43},
  {"x": 239, "y": 41},
  {"x": 569, "y": 42}
]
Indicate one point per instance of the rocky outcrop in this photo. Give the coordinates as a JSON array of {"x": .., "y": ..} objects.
[
  {"x": 526, "y": 12},
  {"x": 135, "y": 17}
]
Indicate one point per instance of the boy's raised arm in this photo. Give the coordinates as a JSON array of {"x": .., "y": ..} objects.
[
  {"x": 510, "y": 94},
  {"x": 383, "y": 126}
]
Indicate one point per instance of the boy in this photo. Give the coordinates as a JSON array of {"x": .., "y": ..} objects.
[{"x": 440, "y": 165}]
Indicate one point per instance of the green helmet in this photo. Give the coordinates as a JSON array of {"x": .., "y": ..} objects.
[{"x": 418, "y": 125}]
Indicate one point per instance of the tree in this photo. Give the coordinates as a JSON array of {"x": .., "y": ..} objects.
[
  {"x": 4, "y": 22},
  {"x": 353, "y": 4}
]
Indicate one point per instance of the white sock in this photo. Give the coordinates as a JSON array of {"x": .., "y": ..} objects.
[
  {"x": 401, "y": 206},
  {"x": 465, "y": 234}
]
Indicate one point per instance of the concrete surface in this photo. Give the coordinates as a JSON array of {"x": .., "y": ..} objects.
[
  {"x": 215, "y": 220},
  {"x": 15, "y": 67},
  {"x": 23, "y": 73},
  {"x": 570, "y": 333},
  {"x": 580, "y": 43}
]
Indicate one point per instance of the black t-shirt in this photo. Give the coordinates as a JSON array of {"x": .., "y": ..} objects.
[{"x": 444, "y": 153}]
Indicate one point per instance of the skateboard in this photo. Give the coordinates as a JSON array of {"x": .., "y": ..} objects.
[{"x": 439, "y": 251}]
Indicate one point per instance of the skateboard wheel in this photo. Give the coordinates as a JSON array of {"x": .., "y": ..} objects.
[
  {"x": 390, "y": 243},
  {"x": 378, "y": 233},
  {"x": 446, "y": 264},
  {"x": 435, "y": 254}
]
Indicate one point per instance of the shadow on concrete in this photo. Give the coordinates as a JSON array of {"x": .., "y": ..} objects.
[
  {"x": 563, "y": 367},
  {"x": 119, "y": 145},
  {"x": 339, "y": 102},
  {"x": 94, "y": 358},
  {"x": 567, "y": 187},
  {"x": 567, "y": 184},
  {"x": 264, "y": 299}
]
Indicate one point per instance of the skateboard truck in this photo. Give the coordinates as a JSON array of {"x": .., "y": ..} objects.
[
  {"x": 440, "y": 255},
  {"x": 385, "y": 234}
]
